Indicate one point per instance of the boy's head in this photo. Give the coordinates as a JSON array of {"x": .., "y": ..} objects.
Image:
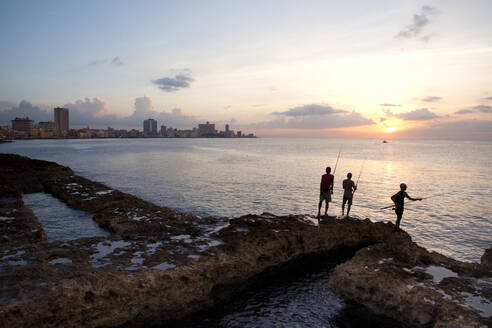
[
  {"x": 403, "y": 186},
  {"x": 328, "y": 169},
  {"x": 349, "y": 175}
]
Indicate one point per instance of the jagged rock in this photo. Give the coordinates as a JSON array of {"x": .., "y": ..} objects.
[
  {"x": 486, "y": 258},
  {"x": 421, "y": 289},
  {"x": 161, "y": 265},
  {"x": 18, "y": 225}
]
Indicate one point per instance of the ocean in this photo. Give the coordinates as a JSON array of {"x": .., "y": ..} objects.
[{"x": 234, "y": 177}]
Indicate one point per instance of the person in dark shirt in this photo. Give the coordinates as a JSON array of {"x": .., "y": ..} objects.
[
  {"x": 325, "y": 190},
  {"x": 349, "y": 188},
  {"x": 399, "y": 200}
]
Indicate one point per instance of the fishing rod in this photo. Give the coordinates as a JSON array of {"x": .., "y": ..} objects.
[
  {"x": 360, "y": 173},
  {"x": 386, "y": 207},
  {"x": 338, "y": 157}
]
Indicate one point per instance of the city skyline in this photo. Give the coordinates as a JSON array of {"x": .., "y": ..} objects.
[
  {"x": 26, "y": 128},
  {"x": 313, "y": 69}
]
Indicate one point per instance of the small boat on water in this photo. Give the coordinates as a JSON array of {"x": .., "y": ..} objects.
[{"x": 384, "y": 141}]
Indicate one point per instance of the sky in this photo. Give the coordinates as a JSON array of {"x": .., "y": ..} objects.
[{"x": 362, "y": 69}]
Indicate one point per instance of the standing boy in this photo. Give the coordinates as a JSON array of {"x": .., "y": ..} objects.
[
  {"x": 399, "y": 200},
  {"x": 325, "y": 190},
  {"x": 349, "y": 188}
]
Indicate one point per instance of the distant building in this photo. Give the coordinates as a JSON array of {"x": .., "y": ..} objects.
[
  {"x": 46, "y": 129},
  {"x": 47, "y": 126},
  {"x": 239, "y": 134},
  {"x": 150, "y": 126},
  {"x": 206, "y": 130},
  {"x": 24, "y": 126},
  {"x": 228, "y": 133},
  {"x": 164, "y": 131},
  {"x": 6, "y": 132},
  {"x": 61, "y": 121}
]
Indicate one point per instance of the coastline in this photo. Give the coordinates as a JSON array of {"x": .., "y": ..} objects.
[{"x": 185, "y": 264}]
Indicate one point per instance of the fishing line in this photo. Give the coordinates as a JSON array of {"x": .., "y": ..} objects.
[{"x": 432, "y": 196}]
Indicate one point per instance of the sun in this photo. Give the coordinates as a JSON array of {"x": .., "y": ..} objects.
[{"x": 389, "y": 130}]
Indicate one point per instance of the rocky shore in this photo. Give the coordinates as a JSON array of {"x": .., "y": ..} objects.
[{"x": 159, "y": 265}]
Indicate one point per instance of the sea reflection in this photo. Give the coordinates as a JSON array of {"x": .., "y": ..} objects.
[{"x": 227, "y": 177}]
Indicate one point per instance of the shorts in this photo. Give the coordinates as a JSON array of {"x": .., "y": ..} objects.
[
  {"x": 399, "y": 213},
  {"x": 347, "y": 199},
  {"x": 326, "y": 196}
]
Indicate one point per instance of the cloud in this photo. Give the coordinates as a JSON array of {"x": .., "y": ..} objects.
[
  {"x": 420, "y": 20},
  {"x": 382, "y": 119},
  {"x": 483, "y": 108},
  {"x": 431, "y": 99},
  {"x": 464, "y": 111},
  {"x": 389, "y": 105},
  {"x": 475, "y": 109},
  {"x": 96, "y": 113},
  {"x": 24, "y": 109},
  {"x": 95, "y": 107},
  {"x": 487, "y": 99},
  {"x": 313, "y": 117},
  {"x": 98, "y": 62},
  {"x": 310, "y": 110},
  {"x": 117, "y": 61},
  {"x": 144, "y": 109},
  {"x": 6, "y": 105},
  {"x": 463, "y": 129},
  {"x": 179, "y": 81},
  {"x": 422, "y": 114}
]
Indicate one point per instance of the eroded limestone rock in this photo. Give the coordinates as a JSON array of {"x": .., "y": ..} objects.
[
  {"x": 401, "y": 280},
  {"x": 161, "y": 265}
]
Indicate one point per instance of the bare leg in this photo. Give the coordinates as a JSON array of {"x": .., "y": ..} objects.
[
  {"x": 348, "y": 209},
  {"x": 319, "y": 208},
  {"x": 326, "y": 208},
  {"x": 398, "y": 219},
  {"x": 343, "y": 208}
]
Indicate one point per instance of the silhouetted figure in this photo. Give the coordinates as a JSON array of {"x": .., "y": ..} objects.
[
  {"x": 349, "y": 188},
  {"x": 325, "y": 190},
  {"x": 399, "y": 200}
]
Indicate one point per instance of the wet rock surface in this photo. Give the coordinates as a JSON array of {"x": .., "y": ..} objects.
[
  {"x": 159, "y": 265},
  {"x": 401, "y": 280}
]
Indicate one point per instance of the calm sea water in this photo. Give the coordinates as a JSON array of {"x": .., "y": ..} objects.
[{"x": 233, "y": 177}]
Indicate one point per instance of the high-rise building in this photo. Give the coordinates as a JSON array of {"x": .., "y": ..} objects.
[
  {"x": 163, "y": 130},
  {"x": 228, "y": 133},
  {"x": 206, "y": 129},
  {"x": 23, "y": 125},
  {"x": 150, "y": 126},
  {"x": 61, "y": 121}
]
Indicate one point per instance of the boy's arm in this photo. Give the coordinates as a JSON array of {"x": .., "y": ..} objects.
[{"x": 414, "y": 199}]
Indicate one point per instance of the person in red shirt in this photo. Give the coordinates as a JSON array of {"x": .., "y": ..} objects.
[{"x": 325, "y": 190}]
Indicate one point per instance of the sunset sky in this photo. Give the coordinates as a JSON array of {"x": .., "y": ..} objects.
[{"x": 385, "y": 69}]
